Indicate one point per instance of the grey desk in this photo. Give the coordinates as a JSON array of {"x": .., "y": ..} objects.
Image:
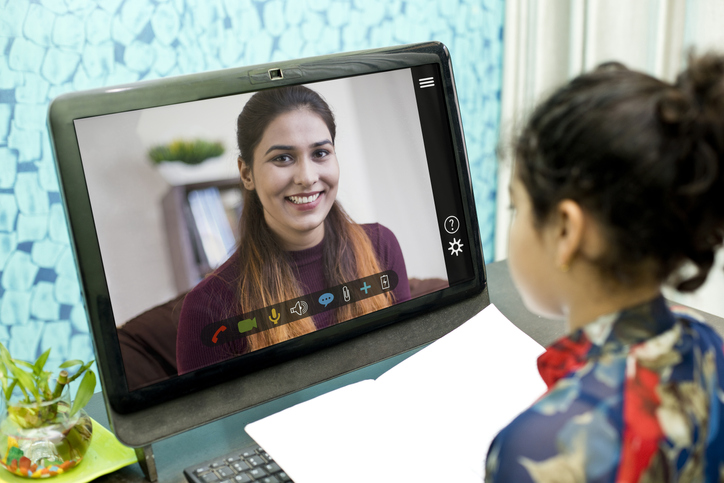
[{"x": 215, "y": 439}]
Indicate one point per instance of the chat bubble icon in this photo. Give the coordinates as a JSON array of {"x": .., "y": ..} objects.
[{"x": 326, "y": 299}]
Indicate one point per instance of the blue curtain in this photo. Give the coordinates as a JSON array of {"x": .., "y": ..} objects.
[{"x": 50, "y": 47}]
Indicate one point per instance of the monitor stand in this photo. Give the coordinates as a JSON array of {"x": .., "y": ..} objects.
[{"x": 147, "y": 462}]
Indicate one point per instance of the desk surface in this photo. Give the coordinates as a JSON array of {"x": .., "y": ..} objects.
[{"x": 215, "y": 439}]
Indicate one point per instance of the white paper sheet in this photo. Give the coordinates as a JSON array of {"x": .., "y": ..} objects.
[{"x": 430, "y": 418}]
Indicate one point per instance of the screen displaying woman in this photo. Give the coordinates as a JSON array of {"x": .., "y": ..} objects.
[{"x": 295, "y": 236}]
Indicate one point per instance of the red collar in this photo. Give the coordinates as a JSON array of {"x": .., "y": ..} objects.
[{"x": 563, "y": 357}]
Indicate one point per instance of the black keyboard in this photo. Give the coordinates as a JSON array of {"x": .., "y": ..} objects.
[{"x": 242, "y": 466}]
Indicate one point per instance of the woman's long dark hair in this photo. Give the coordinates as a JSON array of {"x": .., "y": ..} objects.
[
  {"x": 643, "y": 156},
  {"x": 266, "y": 276}
]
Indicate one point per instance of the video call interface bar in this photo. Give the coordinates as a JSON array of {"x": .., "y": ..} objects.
[
  {"x": 308, "y": 305},
  {"x": 439, "y": 149}
]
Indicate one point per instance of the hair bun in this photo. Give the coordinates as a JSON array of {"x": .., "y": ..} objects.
[
  {"x": 704, "y": 80},
  {"x": 674, "y": 107},
  {"x": 698, "y": 94},
  {"x": 703, "y": 83},
  {"x": 700, "y": 174},
  {"x": 701, "y": 88}
]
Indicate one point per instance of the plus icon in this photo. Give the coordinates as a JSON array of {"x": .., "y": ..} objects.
[{"x": 365, "y": 287}]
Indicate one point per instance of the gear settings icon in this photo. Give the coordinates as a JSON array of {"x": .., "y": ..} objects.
[{"x": 456, "y": 247}]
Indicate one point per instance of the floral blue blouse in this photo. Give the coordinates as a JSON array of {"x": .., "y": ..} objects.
[{"x": 635, "y": 396}]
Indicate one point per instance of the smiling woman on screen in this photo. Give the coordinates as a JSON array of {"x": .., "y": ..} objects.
[
  {"x": 618, "y": 188},
  {"x": 295, "y": 237}
]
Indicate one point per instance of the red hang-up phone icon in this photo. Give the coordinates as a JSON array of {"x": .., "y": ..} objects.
[{"x": 215, "y": 338}]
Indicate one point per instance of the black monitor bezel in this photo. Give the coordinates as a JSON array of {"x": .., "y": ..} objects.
[{"x": 84, "y": 242}]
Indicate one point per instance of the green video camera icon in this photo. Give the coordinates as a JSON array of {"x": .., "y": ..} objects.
[{"x": 246, "y": 325}]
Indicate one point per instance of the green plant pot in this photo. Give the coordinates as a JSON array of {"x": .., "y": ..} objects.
[{"x": 42, "y": 440}]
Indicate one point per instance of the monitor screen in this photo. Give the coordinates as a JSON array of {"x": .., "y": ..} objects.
[{"x": 238, "y": 230}]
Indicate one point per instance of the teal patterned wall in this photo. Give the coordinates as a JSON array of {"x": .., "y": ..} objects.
[{"x": 50, "y": 47}]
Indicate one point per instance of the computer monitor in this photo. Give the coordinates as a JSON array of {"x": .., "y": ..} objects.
[{"x": 246, "y": 233}]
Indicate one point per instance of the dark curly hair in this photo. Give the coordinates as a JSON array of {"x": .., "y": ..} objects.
[{"x": 644, "y": 157}]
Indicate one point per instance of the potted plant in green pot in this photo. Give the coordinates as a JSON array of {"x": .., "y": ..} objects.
[
  {"x": 192, "y": 161},
  {"x": 43, "y": 434}
]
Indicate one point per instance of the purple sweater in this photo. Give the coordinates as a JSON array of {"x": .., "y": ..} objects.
[{"x": 215, "y": 298}]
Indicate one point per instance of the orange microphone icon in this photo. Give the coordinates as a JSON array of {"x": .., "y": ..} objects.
[{"x": 275, "y": 316}]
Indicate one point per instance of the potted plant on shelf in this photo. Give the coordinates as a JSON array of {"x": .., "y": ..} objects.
[
  {"x": 42, "y": 433},
  {"x": 184, "y": 162}
]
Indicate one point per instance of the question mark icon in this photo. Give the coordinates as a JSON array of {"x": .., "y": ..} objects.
[{"x": 452, "y": 224}]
